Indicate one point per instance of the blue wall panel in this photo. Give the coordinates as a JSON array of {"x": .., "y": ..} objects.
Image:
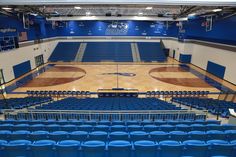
[
  {"x": 216, "y": 69},
  {"x": 21, "y": 69},
  {"x": 183, "y": 58}
]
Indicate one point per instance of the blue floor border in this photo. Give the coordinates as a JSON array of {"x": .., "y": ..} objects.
[
  {"x": 9, "y": 89},
  {"x": 207, "y": 79}
]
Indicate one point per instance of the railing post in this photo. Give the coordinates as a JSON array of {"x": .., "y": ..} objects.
[
  {"x": 60, "y": 115},
  {"x": 32, "y": 117}
]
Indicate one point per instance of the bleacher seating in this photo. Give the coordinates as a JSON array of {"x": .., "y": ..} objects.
[
  {"x": 84, "y": 138},
  {"x": 59, "y": 93},
  {"x": 19, "y": 103},
  {"x": 65, "y": 51},
  {"x": 151, "y": 51},
  {"x": 109, "y": 104},
  {"x": 108, "y": 51},
  {"x": 171, "y": 94},
  {"x": 214, "y": 106}
]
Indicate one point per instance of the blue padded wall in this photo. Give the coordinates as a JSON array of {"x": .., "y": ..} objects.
[
  {"x": 151, "y": 51},
  {"x": 216, "y": 69},
  {"x": 108, "y": 51},
  {"x": 21, "y": 69},
  {"x": 183, "y": 58},
  {"x": 65, "y": 51}
]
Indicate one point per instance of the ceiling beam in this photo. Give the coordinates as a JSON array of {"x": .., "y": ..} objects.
[
  {"x": 103, "y": 18},
  {"x": 146, "y": 2}
]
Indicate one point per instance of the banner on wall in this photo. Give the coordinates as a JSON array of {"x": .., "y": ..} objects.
[
  {"x": 117, "y": 28},
  {"x": 7, "y": 30}
]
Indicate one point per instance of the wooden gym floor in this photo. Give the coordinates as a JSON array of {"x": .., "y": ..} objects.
[{"x": 170, "y": 76}]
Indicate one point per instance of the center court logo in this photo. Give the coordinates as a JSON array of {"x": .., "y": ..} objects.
[{"x": 120, "y": 74}]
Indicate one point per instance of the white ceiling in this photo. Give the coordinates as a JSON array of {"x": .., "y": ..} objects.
[{"x": 157, "y": 2}]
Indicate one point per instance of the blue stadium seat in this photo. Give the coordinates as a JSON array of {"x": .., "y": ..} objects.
[
  {"x": 178, "y": 136},
  {"x": 119, "y": 135},
  {"x": 166, "y": 128},
  {"x": 98, "y": 136},
  {"x": 5, "y": 134},
  {"x": 52, "y": 127},
  {"x": 69, "y": 128},
  {"x": 138, "y": 135},
  {"x": 17, "y": 148},
  {"x": 118, "y": 128},
  {"x": 58, "y": 135},
  {"x": 43, "y": 148},
  {"x": 183, "y": 127},
  {"x": 91, "y": 122},
  {"x": 132, "y": 122},
  {"x": 2, "y": 151},
  {"x": 87, "y": 128},
  {"x": 39, "y": 135},
  {"x": 198, "y": 127},
  {"x": 160, "y": 122},
  {"x": 102, "y": 128},
  {"x": 21, "y": 134},
  {"x": 228, "y": 127},
  {"x": 198, "y": 135},
  {"x": 170, "y": 148},
  {"x": 119, "y": 148},
  {"x": 78, "y": 135},
  {"x": 214, "y": 127},
  {"x": 134, "y": 127},
  {"x": 159, "y": 136},
  {"x": 195, "y": 148},
  {"x": 145, "y": 148},
  {"x": 104, "y": 122},
  {"x": 150, "y": 128},
  {"x": 146, "y": 122},
  {"x": 6, "y": 127},
  {"x": 68, "y": 148},
  {"x": 230, "y": 134},
  {"x": 216, "y": 134},
  {"x": 93, "y": 149},
  {"x": 21, "y": 127},
  {"x": 220, "y": 148},
  {"x": 36, "y": 127}
]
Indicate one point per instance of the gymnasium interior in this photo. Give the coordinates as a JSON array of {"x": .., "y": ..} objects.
[{"x": 117, "y": 78}]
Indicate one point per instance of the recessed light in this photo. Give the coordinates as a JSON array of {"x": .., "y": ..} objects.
[
  {"x": 6, "y": 8},
  {"x": 148, "y": 8},
  {"x": 217, "y": 10},
  {"x": 88, "y": 13},
  {"x": 193, "y": 14},
  {"x": 77, "y": 7}
]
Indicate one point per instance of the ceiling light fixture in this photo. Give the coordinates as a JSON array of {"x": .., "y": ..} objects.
[
  {"x": 88, "y": 13},
  {"x": 148, "y": 8},
  {"x": 217, "y": 10},
  {"x": 6, "y": 8},
  {"x": 77, "y": 7},
  {"x": 193, "y": 14}
]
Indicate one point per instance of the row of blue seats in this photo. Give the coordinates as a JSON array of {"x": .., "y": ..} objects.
[
  {"x": 84, "y": 127},
  {"x": 19, "y": 103},
  {"x": 117, "y": 148},
  {"x": 214, "y": 106},
  {"x": 109, "y": 104},
  {"x": 176, "y": 93},
  {"x": 107, "y": 122},
  {"x": 228, "y": 135},
  {"x": 58, "y": 93}
]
